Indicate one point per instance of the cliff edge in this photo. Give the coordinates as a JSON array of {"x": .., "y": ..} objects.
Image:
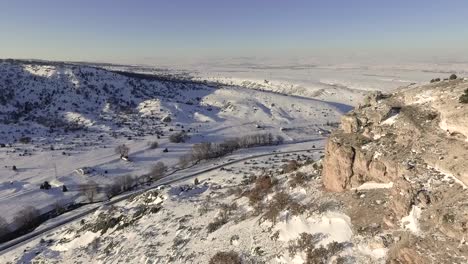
[{"x": 410, "y": 149}]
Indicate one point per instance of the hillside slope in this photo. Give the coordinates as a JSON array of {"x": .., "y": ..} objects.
[{"x": 57, "y": 119}]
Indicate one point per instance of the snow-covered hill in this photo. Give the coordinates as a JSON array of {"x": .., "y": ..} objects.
[{"x": 57, "y": 118}]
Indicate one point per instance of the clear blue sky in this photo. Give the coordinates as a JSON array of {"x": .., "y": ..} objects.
[{"x": 135, "y": 30}]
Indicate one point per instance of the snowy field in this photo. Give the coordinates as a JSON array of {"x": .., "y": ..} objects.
[
  {"x": 92, "y": 111},
  {"x": 62, "y": 118},
  {"x": 188, "y": 223}
]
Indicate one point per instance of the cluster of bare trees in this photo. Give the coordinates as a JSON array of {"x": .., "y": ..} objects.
[
  {"x": 26, "y": 219},
  {"x": 126, "y": 182},
  {"x": 208, "y": 150}
]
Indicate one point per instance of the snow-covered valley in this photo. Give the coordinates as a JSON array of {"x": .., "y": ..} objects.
[{"x": 61, "y": 123}]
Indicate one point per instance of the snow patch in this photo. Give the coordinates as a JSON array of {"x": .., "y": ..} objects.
[
  {"x": 81, "y": 241},
  {"x": 411, "y": 221},
  {"x": 374, "y": 185},
  {"x": 335, "y": 226},
  {"x": 391, "y": 120}
]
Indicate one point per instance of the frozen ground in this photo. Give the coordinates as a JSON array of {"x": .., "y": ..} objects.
[
  {"x": 176, "y": 224},
  {"x": 74, "y": 116},
  {"x": 61, "y": 117}
]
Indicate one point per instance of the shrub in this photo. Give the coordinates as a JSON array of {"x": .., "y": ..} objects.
[
  {"x": 435, "y": 80},
  {"x": 178, "y": 137},
  {"x": 298, "y": 179},
  {"x": 153, "y": 145},
  {"x": 263, "y": 184},
  {"x": 324, "y": 254},
  {"x": 291, "y": 166},
  {"x": 25, "y": 140},
  {"x": 305, "y": 242},
  {"x": 282, "y": 201},
  {"x": 464, "y": 97},
  {"x": 223, "y": 257},
  {"x": 158, "y": 171},
  {"x": 453, "y": 77},
  {"x": 122, "y": 150},
  {"x": 217, "y": 223}
]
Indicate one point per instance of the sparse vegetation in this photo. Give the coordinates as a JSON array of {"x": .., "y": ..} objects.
[
  {"x": 281, "y": 201},
  {"x": 217, "y": 223},
  {"x": 222, "y": 218},
  {"x": 453, "y": 77},
  {"x": 291, "y": 166},
  {"x": 223, "y": 257},
  {"x": 464, "y": 97},
  {"x": 263, "y": 185},
  {"x": 299, "y": 179},
  {"x": 315, "y": 255}
]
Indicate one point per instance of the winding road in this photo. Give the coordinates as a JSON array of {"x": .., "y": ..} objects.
[{"x": 173, "y": 178}]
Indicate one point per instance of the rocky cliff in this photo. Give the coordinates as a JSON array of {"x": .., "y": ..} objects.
[{"x": 412, "y": 147}]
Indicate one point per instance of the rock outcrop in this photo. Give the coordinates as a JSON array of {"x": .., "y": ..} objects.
[{"x": 416, "y": 141}]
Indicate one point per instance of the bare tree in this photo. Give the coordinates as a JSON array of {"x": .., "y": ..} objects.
[
  {"x": 27, "y": 218},
  {"x": 201, "y": 151},
  {"x": 158, "y": 171},
  {"x": 90, "y": 191},
  {"x": 122, "y": 150},
  {"x": 184, "y": 161},
  {"x": 125, "y": 182}
]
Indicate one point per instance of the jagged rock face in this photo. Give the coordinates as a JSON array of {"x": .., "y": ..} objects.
[
  {"x": 338, "y": 166},
  {"x": 347, "y": 165},
  {"x": 380, "y": 140},
  {"x": 417, "y": 140}
]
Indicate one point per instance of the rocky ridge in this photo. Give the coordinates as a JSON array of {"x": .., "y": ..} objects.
[{"x": 411, "y": 145}]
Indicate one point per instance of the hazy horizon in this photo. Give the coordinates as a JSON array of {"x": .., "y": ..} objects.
[{"x": 148, "y": 32}]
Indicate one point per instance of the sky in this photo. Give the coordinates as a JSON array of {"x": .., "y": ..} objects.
[{"x": 142, "y": 31}]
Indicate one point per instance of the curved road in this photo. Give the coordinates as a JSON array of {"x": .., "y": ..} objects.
[{"x": 10, "y": 245}]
